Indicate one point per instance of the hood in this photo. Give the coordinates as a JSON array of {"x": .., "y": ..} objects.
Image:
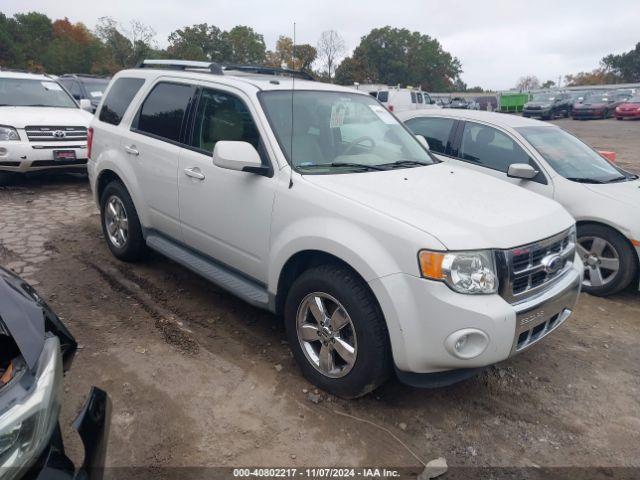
[
  {"x": 625, "y": 192},
  {"x": 22, "y": 316},
  {"x": 463, "y": 209},
  {"x": 20, "y": 117}
]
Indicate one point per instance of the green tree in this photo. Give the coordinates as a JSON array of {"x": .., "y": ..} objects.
[
  {"x": 32, "y": 36},
  {"x": 246, "y": 46},
  {"x": 73, "y": 48},
  {"x": 548, "y": 84},
  {"x": 398, "y": 56},
  {"x": 199, "y": 42},
  {"x": 10, "y": 54},
  {"x": 125, "y": 47},
  {"x": 626, "y": 66}
]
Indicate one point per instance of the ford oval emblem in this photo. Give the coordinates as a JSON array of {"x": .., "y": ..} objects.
[{"x": 552, "y": 263}]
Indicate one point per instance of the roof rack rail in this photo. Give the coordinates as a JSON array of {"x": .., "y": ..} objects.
[
  {"x": 264, "y": 70},
  {"x": 213, "y": 67}
]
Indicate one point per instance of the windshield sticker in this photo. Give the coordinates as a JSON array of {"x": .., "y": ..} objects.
[
  {"x": 97, "y": 94},
  {"x": 338, "y": 112},
  {"x": 53, "y": 86},
  {"x": 383, "y": 114}
]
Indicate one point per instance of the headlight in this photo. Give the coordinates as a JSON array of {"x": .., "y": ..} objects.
[
  {"x": 8, "y": 133},
  {"x": 464, "y": 272},
  {"x": 27, "y": 425}
]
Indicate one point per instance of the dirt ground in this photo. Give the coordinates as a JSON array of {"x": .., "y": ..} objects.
[{"x": 200, "y": 379}]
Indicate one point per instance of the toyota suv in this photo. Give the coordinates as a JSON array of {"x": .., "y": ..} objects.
[
  {"x": 314, "y": 202},
  {"x": 41, "y": 126}
]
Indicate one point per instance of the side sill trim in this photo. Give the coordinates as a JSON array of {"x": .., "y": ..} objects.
[{"x": 241, "y": 287}]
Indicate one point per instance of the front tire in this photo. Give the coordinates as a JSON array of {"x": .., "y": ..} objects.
[
  {"x": 610, "y": 263},
  {"x": 337, "y": 332},
  {"x": 120, "y": 223},
  {"x": 7, "y": 178}
]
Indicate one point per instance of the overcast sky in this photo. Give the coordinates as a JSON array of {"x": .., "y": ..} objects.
[{"x": 497, "y": 41}]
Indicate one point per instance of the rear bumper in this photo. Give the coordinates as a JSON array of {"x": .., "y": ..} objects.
[
  {"x": 422, "y": 317},
  {"x": 92, "y": 424},
  {"x": 22, "y": 157}
]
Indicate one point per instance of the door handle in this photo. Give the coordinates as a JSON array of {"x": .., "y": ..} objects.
[
  {"x": 131, "y": 150},
  {"x": 194, "y": 172}
]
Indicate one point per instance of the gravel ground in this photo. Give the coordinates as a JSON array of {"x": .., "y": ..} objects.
[{"x": 200, "y": 379}]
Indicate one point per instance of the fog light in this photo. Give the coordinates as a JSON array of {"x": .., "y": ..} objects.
[
  {"x": 467, "y": 343},
  {"x": 3, "y": 152}
]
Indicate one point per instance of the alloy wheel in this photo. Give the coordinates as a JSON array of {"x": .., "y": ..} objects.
[
  {"x": 601, "y": 261},
  {"x": 116, "y": 222},
  {"x": 326, "y": 334}
]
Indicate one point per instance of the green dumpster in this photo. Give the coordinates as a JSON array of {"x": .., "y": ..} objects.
[{"x": 513, "y": 102}]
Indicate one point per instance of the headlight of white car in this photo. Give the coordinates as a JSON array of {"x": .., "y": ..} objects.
[
  {"x": 8, "y": 133},
  {"x": 26, "y": 426},
  {"x": 472, "y": 272}
]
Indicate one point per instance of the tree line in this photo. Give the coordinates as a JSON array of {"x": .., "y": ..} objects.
[
  {"x": 32, "y": 41},
  {"x": 613, "y": 68}
]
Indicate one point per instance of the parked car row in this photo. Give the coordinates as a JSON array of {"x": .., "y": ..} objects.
[{"x": 583, "y": 105}]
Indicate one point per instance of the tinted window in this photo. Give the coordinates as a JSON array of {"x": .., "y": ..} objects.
[
  {"x": 435, "y": 130},
  {"x": 75, "y": 90},
  {"x": 163, "y": 110},
  {"x": 118, "y": 99},
  {"x": 383, "y": 96},
  {"x": 413, "y": 97},
  {"x": 490, "y": 148},
  {"x": 221, "y": 116},
  {"x": 419, "y": 95}
]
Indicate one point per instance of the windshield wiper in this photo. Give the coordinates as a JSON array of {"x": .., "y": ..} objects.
[
  {"x": 356, "y": 165},
  {"x": 584, "y": 180},
  {"x": 617, "y": 179},
  {"x": 407, "y": 163}
]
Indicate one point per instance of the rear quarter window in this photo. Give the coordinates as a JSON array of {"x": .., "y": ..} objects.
[{"x": 118, "y": 99}]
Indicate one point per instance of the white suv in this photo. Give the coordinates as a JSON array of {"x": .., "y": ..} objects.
[
  {"x": 41, "y": 126},
  {"x": 315, "y": 203}
]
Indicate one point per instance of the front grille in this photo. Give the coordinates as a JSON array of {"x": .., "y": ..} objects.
[
  {"x": 56, "y": 134},
  {"x": 531, "y": 268}
]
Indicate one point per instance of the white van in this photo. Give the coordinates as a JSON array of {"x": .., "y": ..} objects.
[{"x": 402, "y": 99}]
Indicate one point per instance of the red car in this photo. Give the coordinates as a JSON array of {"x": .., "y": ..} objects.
[{"x": 629, "y": 109}]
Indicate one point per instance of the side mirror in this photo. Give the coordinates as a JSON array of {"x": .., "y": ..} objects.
[
  {"x": 523, "y": 171},
  {"x": 239, "y": 156},
  {"x": 85, "y": 104},
  {"x": 423, "y": 141}
]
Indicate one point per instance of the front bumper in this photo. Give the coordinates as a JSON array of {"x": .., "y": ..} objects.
[
  {"x": 536, "y": 113},
  {"x": 422, "y": 315},
  {"x": 587, "y": 114},
  {"x": 92, "y": 424},
  {"x": 629, "y": 114},
  {"x": 22, "y": 157}
]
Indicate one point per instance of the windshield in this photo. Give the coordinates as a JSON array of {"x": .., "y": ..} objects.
[
  {"x": 597, "y": 97},
  {"x": 20, "y": 92},
  {"x": 570, "y": 157},
  {"x": 635, "y": 99},
  {"x": 95, "y": 87},
  {"x": 544, "y": 97},
  {"x": 335, "y": 131}
]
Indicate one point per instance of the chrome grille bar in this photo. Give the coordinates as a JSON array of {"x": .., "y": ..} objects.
[{"x": 56, "y": 134}]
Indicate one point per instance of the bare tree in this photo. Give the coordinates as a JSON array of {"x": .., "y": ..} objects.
[
  {"x": 530, "y": 82},
  {"x": 330, "y": 47}
]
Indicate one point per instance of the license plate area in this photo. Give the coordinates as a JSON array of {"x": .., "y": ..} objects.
[{"x": 64, "y": 155}]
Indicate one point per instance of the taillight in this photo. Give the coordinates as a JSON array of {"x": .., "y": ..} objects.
[
  {"x": 390, "y": 108},
  {"x": 89, "y": 141}
]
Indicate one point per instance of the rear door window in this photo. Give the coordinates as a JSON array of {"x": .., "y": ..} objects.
[
  {"x": 436, "y": 130},
  {"x": 413, "y": 97},
  {"x": 419, "y": 96},
  {"x": 119, "y": 99},
  {"x": 163, "y": 111},
  {"x": 383, "y": 96}
]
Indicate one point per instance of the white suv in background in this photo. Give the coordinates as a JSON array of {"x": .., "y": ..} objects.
[
  {"x": 312, "y": 201},
  {"x": 41, "y": 126}
]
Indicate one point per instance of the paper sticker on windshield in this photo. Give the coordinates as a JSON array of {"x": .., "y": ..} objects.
[
  {"x": 97, "y": 94},
  {"x": 338, "y": 112},
  {"x": 51, "y": 86},
  {"x": 383, "y": 114}
]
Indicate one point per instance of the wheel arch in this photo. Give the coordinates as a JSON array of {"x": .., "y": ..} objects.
[{"x": 108, "y": 174}]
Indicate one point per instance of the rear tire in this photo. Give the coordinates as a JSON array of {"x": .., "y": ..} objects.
[
  {"x": 313, "y": 333},
  {"x": 7, "y": 178},
  {"x": 120, "y": 224},
  {"x": 603, "y": 249}
]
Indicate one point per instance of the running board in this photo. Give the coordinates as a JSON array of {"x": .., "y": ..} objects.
[{"x": 239, "y": 286}]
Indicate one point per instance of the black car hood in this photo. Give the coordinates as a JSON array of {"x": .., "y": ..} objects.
[{"x": 22, "y": 316}]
